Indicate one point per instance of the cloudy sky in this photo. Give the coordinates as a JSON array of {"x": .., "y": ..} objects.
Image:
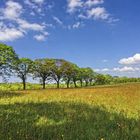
[{"x": 102, "y": 34}]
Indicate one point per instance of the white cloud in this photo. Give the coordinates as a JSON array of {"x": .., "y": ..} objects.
[
  {"x": 12, "y": 26},
  {"x": 131, "y": 60},
  {"x": 102, "y": 70},
  {"x": 76, "y": 25},
  {"x": 98, "y": 13},
  {"x": 40, "y": 37},
  {"x": 90, "y": 9},
  {"x": 35, "y": 6},
  {"x": 38, "y": 1},
  {"x": 119, "y": 69},
  {"x": 105, "y": 69},
  {"x": 29, "y": 3},
  {"x": 10, "y": 34},
  {"x": 33, "y": 2},
  {"x": 30, "y": 26},
  {"x": 45, "y": 33},
  {"x": 73, "y": 4},
  {"x": 12, "y": 11},
  {"x": 91, "y": 3},
  {"x": 82, "y": 16},
  {"x": 133, "y": 70},
  {"x": 58, "y": 20},
  {"x": 125, "y": 69},
  {"x": 113, "y": 20}
]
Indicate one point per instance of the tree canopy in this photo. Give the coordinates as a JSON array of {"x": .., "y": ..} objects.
[
  {"x": 22, "y": 67},
  {"x": 42, "y": 69},
  {"x": 7, "y": 59}
]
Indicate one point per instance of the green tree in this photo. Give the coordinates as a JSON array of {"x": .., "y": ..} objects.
[
  {"x": 75, "y": 75},
  {"x": 69, "y": 71},
  {"x": 7, "y": 58},
  {"x": 80, "y": 76},
  {"x": 58, "y": 70},
  {"x": 108, "y": 79},
  {"x": 87, "y": 75},
  {"x": 23, "y": 67},
  {"x": 100, "y": 79},
  {"x": 42, "y": 69}
]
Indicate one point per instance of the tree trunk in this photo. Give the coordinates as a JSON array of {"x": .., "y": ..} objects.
[
  {"x": 44, "y": 84},
  {"x": 90, "y": 83},
  {"x": 75, "y": 83},
  {"x": 86, "y": 83},
  {"x": 58, "y": 84},
  {"x": 68, "y": 82},
  {"x": 24, "y": 83},
  {"x": 81, "y": 82}
]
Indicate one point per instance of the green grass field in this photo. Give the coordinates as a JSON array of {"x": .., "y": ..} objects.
[{"x": 100, "y": 113}]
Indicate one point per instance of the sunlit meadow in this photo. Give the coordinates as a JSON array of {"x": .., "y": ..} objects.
[{"x": 99, "y": 113}]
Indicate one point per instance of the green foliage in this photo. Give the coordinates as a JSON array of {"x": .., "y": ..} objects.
[
  {"x": 7, "y": 58},
  {"x": 70, "y": 72},
  {"x": 23, "y": 67},
  {"x": 86, "y": 75},
  {"x": 42, "y": 69},
  {"x": 124, "y": 80},
  {"x": 58, "y": 70},
  {"x": 101, "y": 79}
]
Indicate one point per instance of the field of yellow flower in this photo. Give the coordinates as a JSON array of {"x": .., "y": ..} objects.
[{"x": 97, "y": 113}]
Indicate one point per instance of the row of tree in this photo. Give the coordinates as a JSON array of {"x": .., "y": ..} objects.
[{"x": 57, "y": 70}]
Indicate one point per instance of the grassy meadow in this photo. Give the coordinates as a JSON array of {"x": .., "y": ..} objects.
[
  {"x": 29, "y": 86},
  {"x": 96, "y": 113}
]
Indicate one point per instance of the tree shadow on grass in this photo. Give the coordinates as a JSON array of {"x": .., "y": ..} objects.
[
  {"x": 64, "y": 121},
  {"x": 8, "y": 94}
]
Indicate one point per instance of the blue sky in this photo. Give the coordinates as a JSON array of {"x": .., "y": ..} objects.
[{"x": 102, "y": 34}]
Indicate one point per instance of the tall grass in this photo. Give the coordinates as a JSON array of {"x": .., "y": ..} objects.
[{"x": 107, "y": 113}]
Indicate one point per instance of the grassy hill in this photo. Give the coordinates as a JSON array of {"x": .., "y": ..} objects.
[{"x": 100, "y": 113}]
